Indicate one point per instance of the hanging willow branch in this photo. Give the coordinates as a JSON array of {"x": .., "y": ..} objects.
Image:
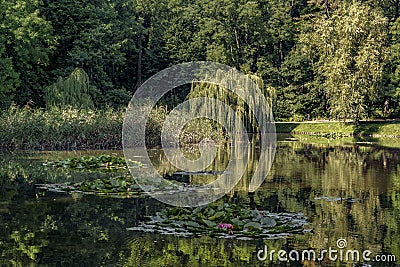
[
  {"x": 72, "y": 91},
  {"x": 213, "y": 90}
]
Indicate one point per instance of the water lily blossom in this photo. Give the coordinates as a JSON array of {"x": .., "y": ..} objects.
[{"x": 226, "y": 226}]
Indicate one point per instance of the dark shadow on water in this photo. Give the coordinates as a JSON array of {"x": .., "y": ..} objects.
[{"x": 285, "y": 127}]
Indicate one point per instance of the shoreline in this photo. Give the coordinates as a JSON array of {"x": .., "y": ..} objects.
[
  {"x": 373, "y": 128},
  {"x": 87, "y": 130}
]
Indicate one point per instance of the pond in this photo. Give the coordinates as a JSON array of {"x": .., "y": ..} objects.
[{"x": 349, "y": 195}]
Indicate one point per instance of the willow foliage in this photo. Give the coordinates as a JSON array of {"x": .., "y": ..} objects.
[
  {"x": 72, "y": 91},
  {"x": 349, "y": 50},
  {"x": 239, "y": 105}
]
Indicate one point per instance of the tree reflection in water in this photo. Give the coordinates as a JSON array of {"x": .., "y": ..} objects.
[{"x": 349, "y": 192}]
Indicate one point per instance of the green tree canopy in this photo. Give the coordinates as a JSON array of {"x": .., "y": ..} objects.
[{"x": 25, "y": 45}]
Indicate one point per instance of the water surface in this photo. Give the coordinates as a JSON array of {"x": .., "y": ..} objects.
[{"x": 349, "y": 192}]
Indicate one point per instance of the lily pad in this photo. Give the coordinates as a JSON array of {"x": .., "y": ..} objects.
[
  {"x": 217, "y": 215},
  {"x": 192, "y": 224},
  {"x": 267, "y": 222},
  {"x": 252, "y": 226},
  {"x": 103, "y": 163},
  {"x": 209, "y": 223}
]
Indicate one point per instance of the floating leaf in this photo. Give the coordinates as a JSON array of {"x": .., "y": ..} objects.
[
  {"x": 102, "y": 163},
  {"x": 252, "y": 226},
  {"x": 237, "y": 222},
  {"x": 267, "y": 222},
  {"x": 209, "y": 223},
  {"x": 192, "y": 224},
  {"x": 217, "y": 215}
]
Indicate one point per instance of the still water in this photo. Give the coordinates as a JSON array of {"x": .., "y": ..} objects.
[{"x": 349, "y": 193}]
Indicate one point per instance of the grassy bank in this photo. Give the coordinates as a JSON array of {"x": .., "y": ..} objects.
[
  {"x": 341, "y": 129},
  {"x": 72, "y": 128}
]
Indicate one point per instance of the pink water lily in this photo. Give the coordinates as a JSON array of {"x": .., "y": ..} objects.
[{"x": 226, "y": 226}]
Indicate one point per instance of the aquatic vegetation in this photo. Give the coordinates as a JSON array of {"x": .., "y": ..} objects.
[
  {"x": 121, "y": 186},
  {"x": 105, "y": 163},
  {"x": 226, "y": 226},
  {"x": 225, "y": 220},
  {"x": 110, "y": 185}
]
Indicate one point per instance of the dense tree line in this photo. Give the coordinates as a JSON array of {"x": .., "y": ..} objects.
[{"x": 325, "y": 58}]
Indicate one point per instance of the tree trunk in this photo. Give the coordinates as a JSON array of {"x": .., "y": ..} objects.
[
  {"x": 327, "y": 8},
  {"x": 139, "y": 66}
]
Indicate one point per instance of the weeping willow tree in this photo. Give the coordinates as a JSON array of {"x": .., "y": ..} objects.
[
  {"x": 72, "y": 91},
  {"x": 349, "y": 53},
  {"x": 232, "y": 99}
]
